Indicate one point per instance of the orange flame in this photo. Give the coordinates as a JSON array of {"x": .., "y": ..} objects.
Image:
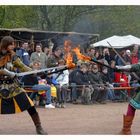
[
  {"x": 67, "y": 46},
  {"x": 79, "y": 55},
  {"x": 69, "y": 60},
  {"x": 68, "y": 55}
]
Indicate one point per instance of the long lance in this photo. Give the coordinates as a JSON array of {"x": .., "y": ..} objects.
[
  {"x": 95, "y": 61},
  {"x": 39, "y": 71},
  {"x": 135, "y": 75},
  {"x": 87, "y": 58}
]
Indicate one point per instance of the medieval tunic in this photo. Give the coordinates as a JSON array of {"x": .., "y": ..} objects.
[
  {"x": 135, "y": 101},
  {"x": 13, "y": 98}
]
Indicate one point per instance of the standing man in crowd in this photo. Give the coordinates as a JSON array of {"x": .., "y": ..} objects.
[
  {"x": 23, "y": 53},
  {"x": 39, "y": 56},
  {"x": 54, "y": 58}
]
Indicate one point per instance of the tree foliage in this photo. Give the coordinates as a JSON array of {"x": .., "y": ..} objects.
[{"x": 103, "y": 20}]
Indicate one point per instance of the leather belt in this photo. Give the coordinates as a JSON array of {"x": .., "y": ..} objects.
[{"x": 6, "y": 81}]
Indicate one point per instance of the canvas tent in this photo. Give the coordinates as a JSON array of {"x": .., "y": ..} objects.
[{"x": 118, "y": 41}]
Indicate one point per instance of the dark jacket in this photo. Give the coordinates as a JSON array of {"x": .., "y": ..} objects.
[
  {"x": 111, "y": 75},
  {"x": 95, "y": 78},
  {"x": 81, "y": 78},
  {"x": 53, "y": 61},
  {"x": 29, "y": 80},
  {"x": 72, "y": 75},
  {"x": 105, "y": 78},
  {"x": 24, "y": 56},
  {"x": 49, "y": 80}
]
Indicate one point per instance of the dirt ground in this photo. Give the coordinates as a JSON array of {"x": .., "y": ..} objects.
[{"x": 72, "y": 120}]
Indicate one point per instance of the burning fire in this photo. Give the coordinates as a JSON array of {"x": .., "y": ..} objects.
[
  {"x": 79, "y": 55},
  {"x": 67, "y": 46},
  {"x": 69, "y": 60},
  {"x": 68, "y": 55}
]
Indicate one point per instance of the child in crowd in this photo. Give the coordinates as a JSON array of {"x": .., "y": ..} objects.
[{"x": 62, "y": 82}]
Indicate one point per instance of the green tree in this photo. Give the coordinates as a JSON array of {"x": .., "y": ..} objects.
[{"x": 103, "y": 20}]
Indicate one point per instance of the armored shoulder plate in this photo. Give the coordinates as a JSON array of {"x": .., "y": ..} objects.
[
  {"x": 14, "y": 57},
  {"x": 20, "y": 65}
]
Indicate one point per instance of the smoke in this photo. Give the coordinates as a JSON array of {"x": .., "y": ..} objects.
[
  {"x": 76, "y": 39},
  {"x": 83, "y": 25}
]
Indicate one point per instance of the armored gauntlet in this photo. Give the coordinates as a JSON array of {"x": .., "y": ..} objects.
[
  {"x": 21, "y": 66},
  {"x": 124, "y": 68},
  {"x": 7, "y": 72}
]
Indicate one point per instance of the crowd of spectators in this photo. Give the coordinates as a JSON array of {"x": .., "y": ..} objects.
[{"x": 88, "y": 83}]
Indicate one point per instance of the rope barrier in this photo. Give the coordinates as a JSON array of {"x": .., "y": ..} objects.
[
  {"x": 29, "y": 88},
  {"x": 117, "y": 83},
  {"x": 116, "y": 88},
  {"x": 96, "y": 84}
]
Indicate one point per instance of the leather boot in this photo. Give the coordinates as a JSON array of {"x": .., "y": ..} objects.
[
  {"x": 127, "y": 122},
  {"x": 36, "y": 120}
]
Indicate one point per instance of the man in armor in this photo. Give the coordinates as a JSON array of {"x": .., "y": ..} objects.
[
  {"x": 134, "y": 102},
  {"x": 13, "y": 98}
]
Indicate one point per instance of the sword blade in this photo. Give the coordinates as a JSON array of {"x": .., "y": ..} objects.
[{"x": 38, "y": 71}]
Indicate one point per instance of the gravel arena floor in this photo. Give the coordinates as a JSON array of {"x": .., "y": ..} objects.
[{"x": 72, "y": 120}]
